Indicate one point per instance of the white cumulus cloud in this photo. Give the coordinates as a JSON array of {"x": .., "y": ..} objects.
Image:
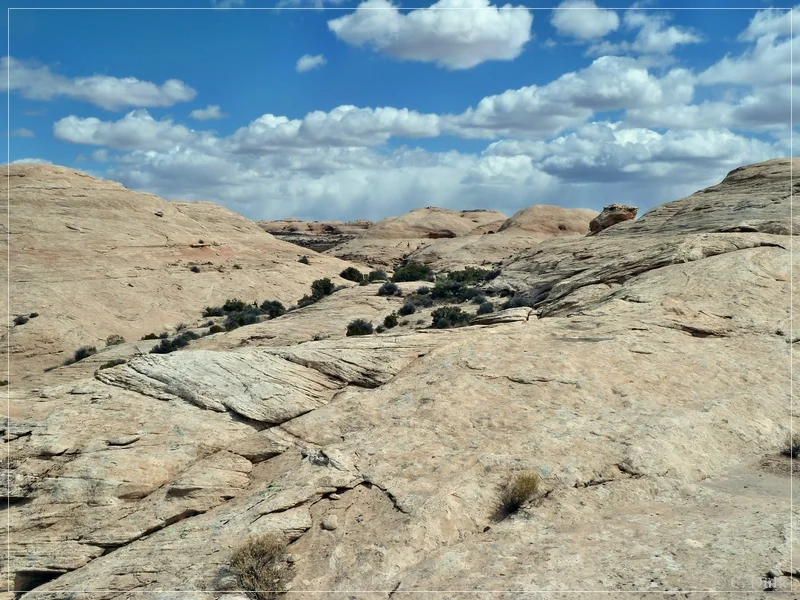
[
  {"x": 308, "y": 62},
  {"x": 208, "y": 113},
  {"x": 455, "y": 34},
  {"x": 36, "y": 82},
  {"x": 582, "y": 19}
]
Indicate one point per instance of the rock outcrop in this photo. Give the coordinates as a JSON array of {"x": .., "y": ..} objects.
[
  {"x": 611, "y": 215},
  {"x": 646, "y": 387}
]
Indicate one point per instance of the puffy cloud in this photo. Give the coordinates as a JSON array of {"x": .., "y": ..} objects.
[
  {"x": 308, "y": 62},
  {"x": 771, "y": 61},
  {"x": 778, "y": 22},
  {"x": 582, "y": 19},
  {"x": 654, "y": 37},
  {"x": 111, "y": 93},
  {"x": 208, "y": 113},
  {"x": 343, "y": 126},
  {"x": 609, "y": 83},
  {"x": 441, "y": 34},
  {"x": 135, "y": 131}
]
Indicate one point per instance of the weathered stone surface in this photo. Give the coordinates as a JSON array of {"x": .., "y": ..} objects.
[
  {"x": 611, "y": 215},
  {"x": 648, "y": 390}
]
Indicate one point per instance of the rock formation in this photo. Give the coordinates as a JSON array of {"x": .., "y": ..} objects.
[
  {"x": 611, "y": 215},
  {"x": 648, "y": 387}
]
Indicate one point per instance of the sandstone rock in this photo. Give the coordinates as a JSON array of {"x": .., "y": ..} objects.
[{"x": 611, "y": 215}]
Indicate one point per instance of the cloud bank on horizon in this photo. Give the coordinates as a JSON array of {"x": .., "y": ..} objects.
[{"x": 462, "y": 104}]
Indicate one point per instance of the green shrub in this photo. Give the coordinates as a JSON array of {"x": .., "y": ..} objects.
[
  {"x": 413, "y": 272},
  {"x": 377, "y": 275},
  {"x": 421, "y": 301},
  {"x": 389, "y": 289},
  {"x": 272, "y": 308},
  {"x": 112, "y": 363},
  {"x": 306, "y": 301},
  {"x": 423, "y": 290},
  {"x": 792, "y": 447},
  {"x": 473, "y": 275},
  {"x": 3, "y": 382},
  {"x": 479, "y": 299},
  {"x": 322, "y": 287},
  {"x": 195, "y": 269},
  {"x": 380, "y": 329},
  {"x": 248, "y": 316},
  {"x": 485, "y": 308},
  {"x": 33, "y": 315},
  {"x": 518, "y": 491},
  {"x": 215, "y": 329},
  {"x": 234, "y": 305},
  {"x": 448, "y": 316},
  {"x": 20, "y": 320},
  {"x": 114, "y": 340},
  {"x": 407, "y": 309},
  {"x": 214, "y": 311},
  {"x": 166, "y": 346},
  {"x": 261, "y": 567},
  {"x": 451, "y": 290},
  {"x": 149, "y": 336},
  {"x": 359, "y": 327},
  {"x": 352, "y": 274},
  {"x": 390, "y": 321},
  {"x": 80, "y": 354},
  {"x": 304, "y": 260},
  {"x": 519, "y": 300}
]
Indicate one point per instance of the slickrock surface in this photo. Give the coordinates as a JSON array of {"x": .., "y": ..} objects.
[
  {"x": 93, "y": 259},
  {"x": 648, "y": 387}
]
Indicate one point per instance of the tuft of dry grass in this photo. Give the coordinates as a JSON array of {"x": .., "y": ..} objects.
[
  {"x": 260, "y": 566},
  {"x": 792, "y": 447},
  {"x": 519, "y": 490}
]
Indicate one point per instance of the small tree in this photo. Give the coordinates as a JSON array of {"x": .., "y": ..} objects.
[
  {"x": 390, "y": 321},
  {"x": 322, "y": 287},
  {"x": 272, "y": 308}
]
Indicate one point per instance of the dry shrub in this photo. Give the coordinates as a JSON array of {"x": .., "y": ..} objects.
[
  {"x": 260, "y": 566},
  {"x": 518, "y": 491},
  {"x": 792, "y": 447}
]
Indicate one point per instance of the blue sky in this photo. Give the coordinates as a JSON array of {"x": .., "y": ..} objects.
[{"x": 371, "y": 109}]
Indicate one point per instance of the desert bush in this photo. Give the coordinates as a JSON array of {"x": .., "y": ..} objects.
[
  {"x": 114, "y": 340},
  {"x": 3, "y": 382},
  {"x": 306, "y": 300},
  {"x": 113, "y": 363},
  {"x": 149, "y": 336},
  {"x": 33, "y": 315},
  {"x": 413, "y": 272},
  {"x": 479, "y": 299},
  {"x": 792, "y": 446},
  {"x": 180, "y": 341},
  {"x": 390, "y": 321},
  {"x": 518, "y": 300},
  {"x": 304, "y": 260},
  {"x": 377, "y": 275},
  {"x": 407, "y": 309},
  {"x": 389, "y": 289},
  {"x": 214, "y": 311},
  {"x": 473, "y": 275},
  {"x": 180, "y": 326},
  {"x": 215, "y": 329},
  {"x": 485, "y": 308},
  {"x": 80, "y": 354},
  {"x": 448, "y": 316},
  {"x": 234, "y": 305},
  {"x": 20, "y": 320},
  {"x": 195, "y": 269},
  {"x": 272, "y": 308},
  {"x": 260, "y": 566},
  {"x": 248, "y": 316},
  {"x": 517, "y": 491},
  {"x": 352, "y": 274},
  {"x": 423, "y": 290},
  {"x": 451, "y": 290},
  {"x": 321, "y": 288},
  {"x": 380, "y": 329},
  {"x": 359, "y": 327}
]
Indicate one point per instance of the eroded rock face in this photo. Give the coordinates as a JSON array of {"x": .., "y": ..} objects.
[
  {"x": 611, "y": 215},
  {"x": 645, "y": 389}
]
